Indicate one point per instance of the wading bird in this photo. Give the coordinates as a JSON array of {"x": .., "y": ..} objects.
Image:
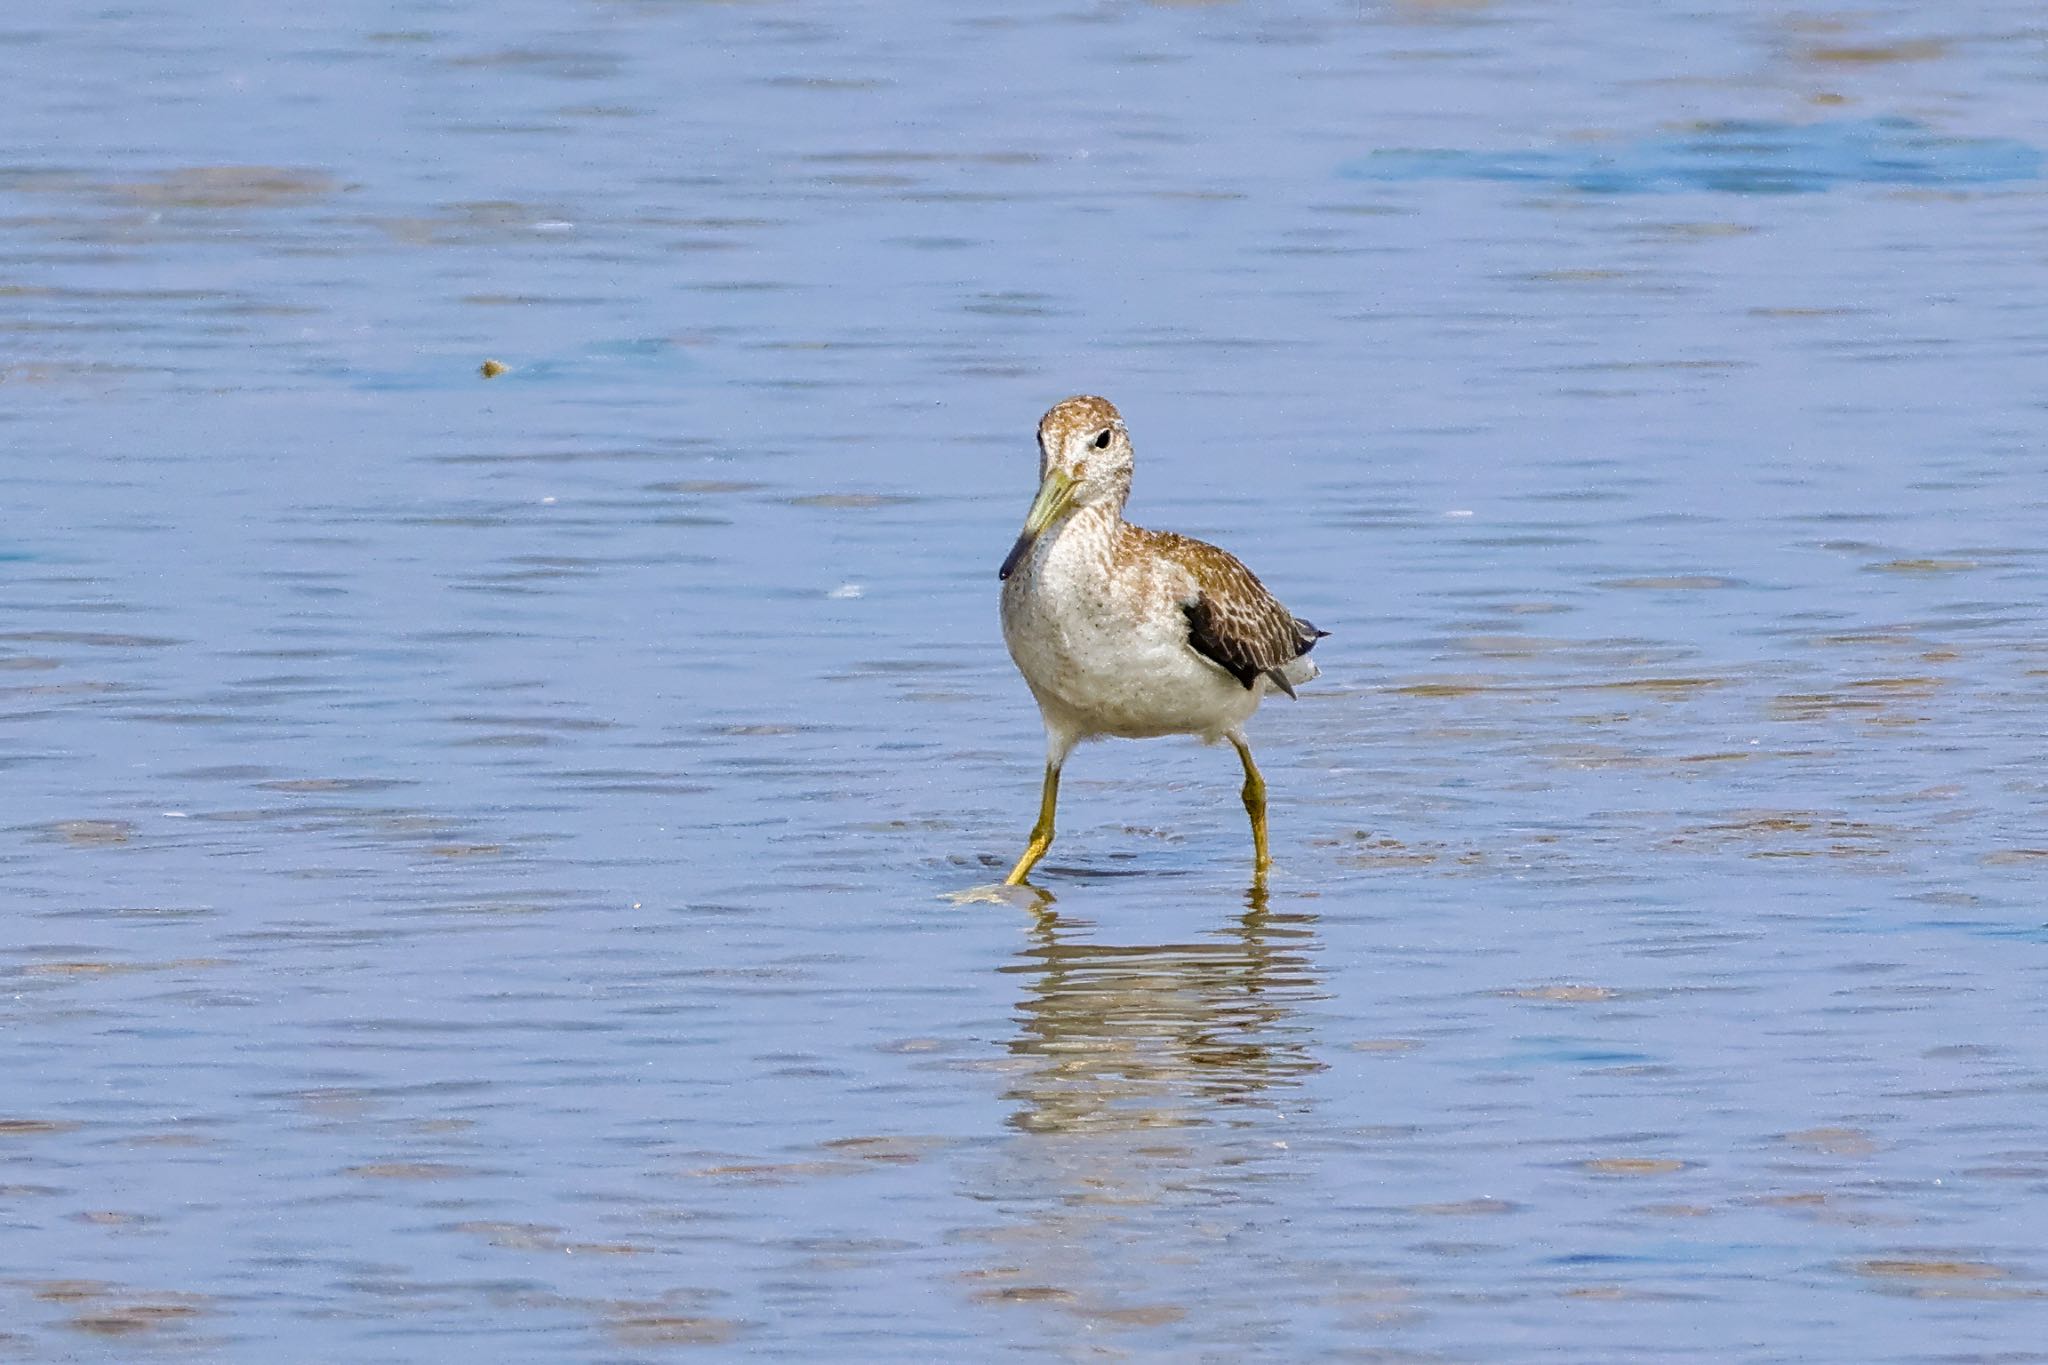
[{"x": 1134, "y": 633}]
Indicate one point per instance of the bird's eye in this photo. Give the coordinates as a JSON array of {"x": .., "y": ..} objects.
[{"x": 1102, "y": 441}]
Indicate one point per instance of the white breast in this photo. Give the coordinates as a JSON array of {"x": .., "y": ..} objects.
[{"x": 1107, "y": 653}]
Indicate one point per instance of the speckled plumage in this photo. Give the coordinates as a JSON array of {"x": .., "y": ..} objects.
[
  {"x": 1235, "y": 622},
  {"x": 1121, "y": 631}
]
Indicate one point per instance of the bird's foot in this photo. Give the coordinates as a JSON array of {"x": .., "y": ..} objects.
[{"x": 1023, "y": 895}]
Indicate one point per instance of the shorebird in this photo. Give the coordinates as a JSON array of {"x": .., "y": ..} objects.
[{"x": 1134, "y": 633}]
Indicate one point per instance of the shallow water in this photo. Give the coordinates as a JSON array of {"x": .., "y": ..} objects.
[{"x": 477, "y": 852}]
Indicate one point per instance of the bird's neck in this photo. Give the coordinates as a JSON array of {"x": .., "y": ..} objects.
[
  {"x": 1097, "y": 521},
  {"x": 1110, "y": 507},
  {"x": 1085, "y": 540}
]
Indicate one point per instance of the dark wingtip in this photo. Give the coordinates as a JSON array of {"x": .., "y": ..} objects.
[{"x": 1281, "y": 682}]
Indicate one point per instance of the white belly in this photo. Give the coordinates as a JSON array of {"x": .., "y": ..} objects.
[{"x": 1109, "y": 657}]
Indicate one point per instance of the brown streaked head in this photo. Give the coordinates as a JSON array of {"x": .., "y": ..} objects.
[
  {"x": 1084, "y": 458},
  {"x": 1073, "y": 427}
]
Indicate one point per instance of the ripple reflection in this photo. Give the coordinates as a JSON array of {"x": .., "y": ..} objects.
[{"x": 1132, "y": 1036}]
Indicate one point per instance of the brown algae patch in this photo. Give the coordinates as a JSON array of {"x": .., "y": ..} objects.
[
  {"x": 1026, "y": 1293},
  {"x": 228, "y": 187},
  {"x": 132, "y": 1319},
  {"x": 110, "y": 1218},
  {"x": 1821, "y": 705},
  {"x": 98, "y": 638},
  {"x": 1911, "y": 1268},
  {"x": 1900, "y": 687},
  {"x": 69, "y": 1291},
  {"x": 849, "y": 501},
  {"x": 1135, "y": 1315},
  {"x": 119, "y": 968},
  {"x": 887, "y": 1151},
  {"x": 515, "y": 1236},
  {"x": 2015, "y": 857},
  {"x": 1454, "y": 688},
  {"x": 76, "y": 968},
  {"x": 1804, "y": 1199},
  {"x": 170, "y": 1140},
  {"x": 773, "y": 1172},
  {"x": 673, "y": 1329},
  {"x": 1614, "y": 1293},
  {"x": 1923, "y": 566},
  {"x": 1361, "y": 849},
  {"x": 1775, "y": 312},
  {"x": 1563, "y": 995},
  {"x": 1389, "y": 853},
  {"x": 1875, "y": 54},
  {"x": 1467, "y": 1208},
  {"x": 706, "y": 487},
  {"x": 1675, "y": 583},
  {"x": 323, "y": 785},
  {"x": 1833, "y": 1141},
  {"x": 34, "y": 1127},
  {"x": 111, "y": 1310},
  {"x": 1634, "y": 1165},
  {"x": 1673, "y": 688},
  {"x": 1792, "y": 834},
  {"x": 1696, "y": 231},
  {"x": 409, "y": 1170},
  {"x": 89, "y": 833}
]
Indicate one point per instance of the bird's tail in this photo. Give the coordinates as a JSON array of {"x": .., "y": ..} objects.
[
  {"x": 1300, "y": 668},
  {"x": 1293, "y": 674}
]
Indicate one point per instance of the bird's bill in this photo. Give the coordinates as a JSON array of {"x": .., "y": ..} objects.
[{"x": 1055, "y": 496}]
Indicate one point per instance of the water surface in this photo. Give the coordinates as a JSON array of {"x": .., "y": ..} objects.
[{"x": 477, "y": 853}]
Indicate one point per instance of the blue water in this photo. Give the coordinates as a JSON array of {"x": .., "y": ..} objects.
[
  {"x": 480, "y": 854},
  {"x": 1736, "y": 156}
]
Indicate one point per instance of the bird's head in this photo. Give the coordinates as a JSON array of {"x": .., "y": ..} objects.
[{"x": 1084, "y": 459}]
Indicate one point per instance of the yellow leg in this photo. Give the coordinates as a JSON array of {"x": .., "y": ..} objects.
[
  {"x": 1254, "y": 806},
  {"x": 1041, "y": 833}
]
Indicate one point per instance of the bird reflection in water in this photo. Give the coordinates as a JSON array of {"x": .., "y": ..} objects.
[{"x": 1162, "y": 1035}]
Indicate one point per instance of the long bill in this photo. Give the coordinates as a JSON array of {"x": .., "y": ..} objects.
[{"x": 1055, "y": 496}]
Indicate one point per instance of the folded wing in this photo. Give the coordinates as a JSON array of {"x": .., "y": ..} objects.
[{"x": 1233, "y": 621}]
